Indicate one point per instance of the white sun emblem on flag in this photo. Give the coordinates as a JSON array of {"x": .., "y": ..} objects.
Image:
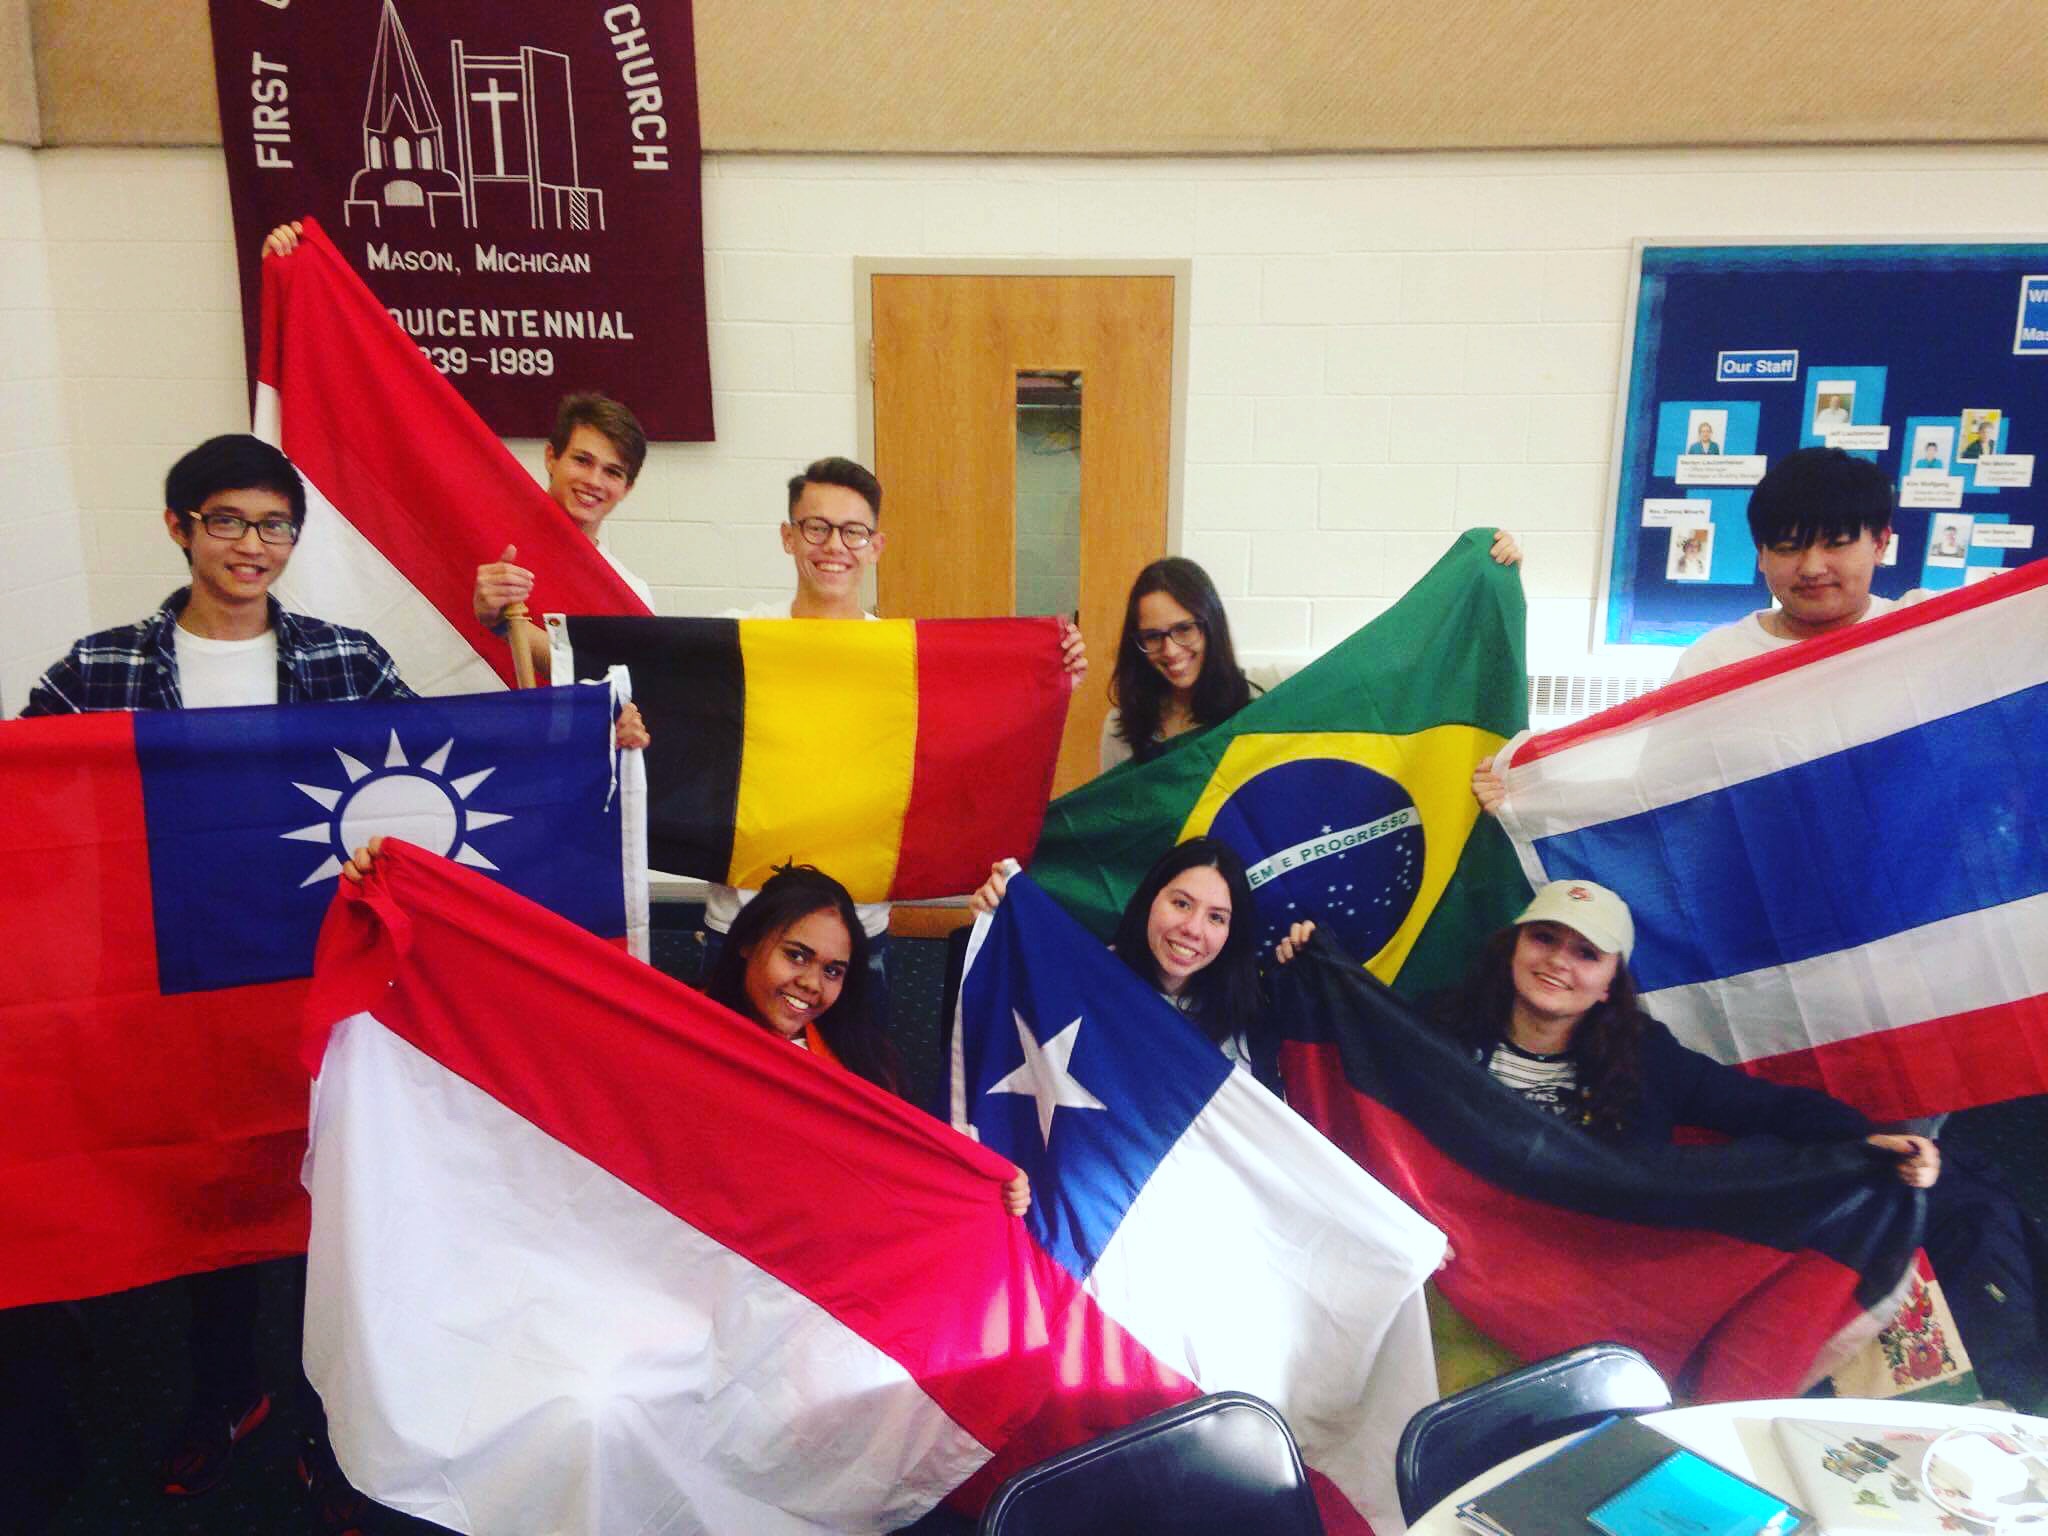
[{"x": 420, "y": 804}]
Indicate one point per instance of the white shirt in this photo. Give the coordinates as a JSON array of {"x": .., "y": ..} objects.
[
  {"x": 722, "y": 903},
  {"x": 214, "y": 673},
  {"x": 1114, "y": 749},
  {"x": 640, "y": 588},
  {"x": 1747, "y": 637}
]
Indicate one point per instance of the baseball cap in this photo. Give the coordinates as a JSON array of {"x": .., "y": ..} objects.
[{"x": 1592, "y": 911}]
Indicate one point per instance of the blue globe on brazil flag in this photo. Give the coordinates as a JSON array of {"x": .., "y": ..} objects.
[{"x": 1329, "y": 841}]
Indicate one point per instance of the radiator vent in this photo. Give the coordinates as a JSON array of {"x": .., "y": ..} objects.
[{"x": 1558, "y": 698}]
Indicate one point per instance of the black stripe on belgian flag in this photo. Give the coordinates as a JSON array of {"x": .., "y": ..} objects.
[{"x": 690, "y": 683}]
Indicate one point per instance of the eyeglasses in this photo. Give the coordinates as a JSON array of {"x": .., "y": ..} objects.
[
  {"x": 271, "y": 530},
  {"x": 816, "y": 530},
  {"x": 1184, "y": 634}
]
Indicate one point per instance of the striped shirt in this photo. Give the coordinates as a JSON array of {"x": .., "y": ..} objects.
[
  {"x": 1548, "y": 1082},
  {"x": 136, "y": 665}
]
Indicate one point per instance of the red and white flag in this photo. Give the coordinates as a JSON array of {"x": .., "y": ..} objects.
[
  {"x": 590, "y": 1254},
  {"x": 407, "y": 491}
]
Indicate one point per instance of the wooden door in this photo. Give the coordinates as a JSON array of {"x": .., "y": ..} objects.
[{"x": 947, "y": 353}]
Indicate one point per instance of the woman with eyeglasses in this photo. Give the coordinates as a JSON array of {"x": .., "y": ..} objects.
[
  {"x": 1176, "y": 669},
  {"x": 1175, "y": 666}
]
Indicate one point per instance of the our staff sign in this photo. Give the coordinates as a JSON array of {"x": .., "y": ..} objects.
[{"x": 517, "y": 182}]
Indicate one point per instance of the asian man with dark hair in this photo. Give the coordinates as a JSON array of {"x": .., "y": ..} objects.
[{"x": 1821, "y": 520}]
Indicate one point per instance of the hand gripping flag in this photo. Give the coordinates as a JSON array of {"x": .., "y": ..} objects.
[
  {"x": 1740, "y": 1271},
  {"x": 162, "y": 880},
  {"x": 1836, "y": 853},
  {"x": 1347, "y": 789},
  {"x": 1221, "y": 1242},
  {"x": 903, "y": 757},
  {"x": 407, "y": 491},
  {"x": 614, "y": 1259}
]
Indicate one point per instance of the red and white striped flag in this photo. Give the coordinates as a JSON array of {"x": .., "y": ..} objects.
[
  {"x": 1835, "y": 852},
  {"x": 407, "y": 491},
  {"x": 591, "y": 1254}
]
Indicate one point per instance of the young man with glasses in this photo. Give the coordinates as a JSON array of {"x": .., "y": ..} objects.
[
  {"x": 833, "y": 533},
  {"x": 235, "y": 506}
]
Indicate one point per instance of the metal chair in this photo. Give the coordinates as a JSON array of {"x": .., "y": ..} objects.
[
  {"x": 1453, "y": 1441},
  {"x": 1222, "y": 1465}
]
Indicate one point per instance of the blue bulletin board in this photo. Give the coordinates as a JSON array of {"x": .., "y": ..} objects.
[{"x": 1931, "y": 360}]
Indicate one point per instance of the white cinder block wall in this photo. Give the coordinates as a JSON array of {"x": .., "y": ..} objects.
[
  {"x": 1385, "y": 349},
  {"x": 42, "y": 558}
]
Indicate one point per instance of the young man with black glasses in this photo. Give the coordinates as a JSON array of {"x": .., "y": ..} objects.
[
  {"x": 235, "y": 506},
  {"x": 834, "y": 534}
]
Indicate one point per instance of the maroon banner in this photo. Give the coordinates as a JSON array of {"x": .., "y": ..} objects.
[{"x": 517, "y": 183}]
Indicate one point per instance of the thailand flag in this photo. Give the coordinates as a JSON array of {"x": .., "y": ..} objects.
[
  {"x": 591, "y": 1254},
  {"x": 407, "y": 491},
  {"x": 1219, "y": 1241},
  {"x": 163, "y": 877},
  {"x": 1836, "y": 853}
]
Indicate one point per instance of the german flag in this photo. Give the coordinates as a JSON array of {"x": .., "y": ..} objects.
[
  {"x": 1346, "y": 790},
  {"x": 1742, "y": 1271},
  {"x": 902, "y": 756}
]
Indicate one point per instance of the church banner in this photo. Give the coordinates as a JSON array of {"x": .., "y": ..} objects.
[{"x": 518, "y": 185}]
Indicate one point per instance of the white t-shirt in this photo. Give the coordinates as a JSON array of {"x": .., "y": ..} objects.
[
  {"x": 1114, "y": 749},
  {"x": 640, "y": 588},
  {"x": 1236, "y": 1049},
  {"x": 213, "y": 673},
  {"x": 1747, "y": 637},
  {"x": 722, "y": 903}
]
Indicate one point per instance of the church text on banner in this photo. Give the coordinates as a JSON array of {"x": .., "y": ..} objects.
[{"x": 518, "y": 184}]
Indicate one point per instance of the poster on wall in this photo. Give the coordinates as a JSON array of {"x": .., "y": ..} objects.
[
  {"x": 518, "y": 183},
  {"x": 1928, "y": 359}
]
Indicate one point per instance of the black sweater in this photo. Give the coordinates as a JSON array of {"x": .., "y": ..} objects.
[{"x": 1680, "y": 1086}]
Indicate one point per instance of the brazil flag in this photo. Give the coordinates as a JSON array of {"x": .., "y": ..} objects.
[{"x": 1347, "y": 789}]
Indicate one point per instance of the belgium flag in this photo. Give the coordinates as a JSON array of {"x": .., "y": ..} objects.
[
  {"x": 902, "y": 756},
  {"x": 1347, "y": 789}
]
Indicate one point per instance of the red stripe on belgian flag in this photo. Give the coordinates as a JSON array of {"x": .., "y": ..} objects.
[{"x": 984, "y": 766}]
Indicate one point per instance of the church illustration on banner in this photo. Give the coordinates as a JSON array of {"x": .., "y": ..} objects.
[{"x": 515, "y": 142}]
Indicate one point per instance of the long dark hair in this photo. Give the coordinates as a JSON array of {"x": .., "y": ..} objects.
[
  {"x": 1137, "y": 689},
  {"x": 1606, "y": 1045},
  {"x": 849, "y": 1028},
  {"x": 1223, "y": 996}
]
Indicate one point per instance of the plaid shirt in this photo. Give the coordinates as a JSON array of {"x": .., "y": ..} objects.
[{"x": 136, "y": 666}]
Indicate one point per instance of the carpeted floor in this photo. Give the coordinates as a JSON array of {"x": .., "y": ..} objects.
[{"x": 131, "y": 1377}]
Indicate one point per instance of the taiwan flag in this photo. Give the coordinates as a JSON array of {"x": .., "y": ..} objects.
[
  {"x": 1346, "y": 790},
  {"x": 163, "y": 876}
]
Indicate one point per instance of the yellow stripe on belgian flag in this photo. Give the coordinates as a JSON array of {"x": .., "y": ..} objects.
[
  {"x": 1434, "y": 766},
  {"x": 841, "y": 721}
]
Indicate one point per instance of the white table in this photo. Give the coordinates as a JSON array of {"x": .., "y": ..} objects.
[{"x": 1738, "y": 1436}]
